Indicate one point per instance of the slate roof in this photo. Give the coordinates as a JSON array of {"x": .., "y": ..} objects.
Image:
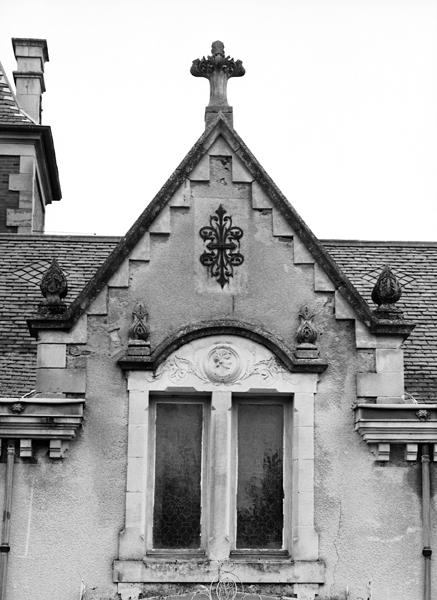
[
  {"x": 25, "y": 257},
  {"x": 23, "y": 260},
  {"x": 415, "y": 264},
  {"x": 10, "y": 112}
]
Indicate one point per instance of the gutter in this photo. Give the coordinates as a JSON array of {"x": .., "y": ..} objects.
[
  {"x": 426, "y": 521},
  {"x": 4, "y": 544}
]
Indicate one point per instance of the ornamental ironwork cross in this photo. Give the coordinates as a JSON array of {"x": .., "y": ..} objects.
[{"x": 222, "y": 246}]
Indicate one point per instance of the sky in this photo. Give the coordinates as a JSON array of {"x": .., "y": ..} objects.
[{"x": 339, "y": 104}]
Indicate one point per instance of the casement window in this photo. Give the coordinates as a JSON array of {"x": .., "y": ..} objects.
[
  {"x": 177, "y": 494},
  {"x": 262, "y": 487},
  {"x": 180, "y": 511}
]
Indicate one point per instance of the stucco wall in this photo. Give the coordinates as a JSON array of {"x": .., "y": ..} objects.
[{"x": 67, "y": 514}]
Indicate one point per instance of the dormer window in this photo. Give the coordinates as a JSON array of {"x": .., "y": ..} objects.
[{"x": 220, "y": 468}]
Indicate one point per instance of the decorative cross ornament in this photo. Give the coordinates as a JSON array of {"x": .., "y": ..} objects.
[
  {"x": 218, "y": 68},
  {"x": 222, "y": 246}
]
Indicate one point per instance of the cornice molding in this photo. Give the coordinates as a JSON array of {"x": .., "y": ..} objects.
[
  {"x": 56, "y": 420},
  {"x": 406, "y": 424}
]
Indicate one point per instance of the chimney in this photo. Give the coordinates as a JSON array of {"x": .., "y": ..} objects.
[{"x": 31, "y": 54}]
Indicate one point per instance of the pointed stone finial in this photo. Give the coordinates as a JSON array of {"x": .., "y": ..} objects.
[
  {"x": 218, "y": 69},
  {"x": 54, "y": 288},
  {"x": 139, "y": 329},
  {"x": 386, "y": 293},
  {"x": 139, "y": 332},
  {"x": 306, "y": 335}
]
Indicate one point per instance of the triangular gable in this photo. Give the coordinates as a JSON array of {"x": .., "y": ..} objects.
[{"x": 265, "y": 191}]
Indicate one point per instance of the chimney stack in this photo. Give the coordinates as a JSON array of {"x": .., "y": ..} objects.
[{"x": 31, "y": 54}]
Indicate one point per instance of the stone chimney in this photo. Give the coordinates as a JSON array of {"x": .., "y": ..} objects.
[{"x": 31, "y": 54}]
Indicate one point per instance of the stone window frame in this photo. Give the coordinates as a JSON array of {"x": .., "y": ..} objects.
[
  {"x": 303, "y": 565},
  {"x": 179, "y": 398},
  {"x": 263, "y": 398}
]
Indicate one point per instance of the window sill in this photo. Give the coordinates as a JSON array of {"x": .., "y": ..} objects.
[
  {"x": 173, "y": 555},
  {"x": 253, "y": 570},
  {"x": 260, "y": 555}
]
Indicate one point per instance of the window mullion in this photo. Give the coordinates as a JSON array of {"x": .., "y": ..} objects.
[{"x": 221, "y": 472}]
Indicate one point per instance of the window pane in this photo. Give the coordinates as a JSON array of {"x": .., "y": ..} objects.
[
  {"x": 176, "y": 518},
  {"x": 260, "y": 490}
]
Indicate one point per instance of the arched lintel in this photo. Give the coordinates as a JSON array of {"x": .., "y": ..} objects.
[{"x": 194, "y": 331}]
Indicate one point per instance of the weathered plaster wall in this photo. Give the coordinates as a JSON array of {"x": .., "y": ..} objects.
[{"x": 67, "y": 514}]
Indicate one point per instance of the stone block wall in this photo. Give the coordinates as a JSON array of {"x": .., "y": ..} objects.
[{"x": 9, "y": 198}]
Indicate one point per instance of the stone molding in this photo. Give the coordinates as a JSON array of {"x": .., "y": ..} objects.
[
  {"x": 232, "y": 327},
  {"x": 56, "y": 420},
  {"x": 406, "y": 424}
]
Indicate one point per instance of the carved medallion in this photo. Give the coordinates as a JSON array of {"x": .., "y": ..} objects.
[{"x": 222, "y": 364}]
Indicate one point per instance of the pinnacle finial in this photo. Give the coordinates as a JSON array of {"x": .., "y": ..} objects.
[
  {"x": 54, "y": 288},
  {"x": 306, "y": 335},
  {"x": 386, "y": 292},
  {"x": 218, "y": 69}
]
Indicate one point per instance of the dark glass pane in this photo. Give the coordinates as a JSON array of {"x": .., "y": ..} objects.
[
  {"x": 176, "y": 516},
  {"x": 260, "y": 490}
]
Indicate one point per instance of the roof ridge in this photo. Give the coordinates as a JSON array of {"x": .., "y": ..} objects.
[
  {"x": 10, "y": 110},
  {"x": 405, "y": 243}
]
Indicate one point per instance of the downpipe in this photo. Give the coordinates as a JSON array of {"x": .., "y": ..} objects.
[
  {"x": 426, "y": 521},
  {"x": 6, "y": 529}
]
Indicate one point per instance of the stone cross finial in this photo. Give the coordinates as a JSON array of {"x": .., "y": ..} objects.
[{"x": 218, "y": 69}]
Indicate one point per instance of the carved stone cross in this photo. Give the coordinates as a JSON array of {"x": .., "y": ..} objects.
[{"x": 218, "y": 69}]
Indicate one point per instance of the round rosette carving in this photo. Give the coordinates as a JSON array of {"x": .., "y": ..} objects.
[{"x": 222, "y": 364}]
